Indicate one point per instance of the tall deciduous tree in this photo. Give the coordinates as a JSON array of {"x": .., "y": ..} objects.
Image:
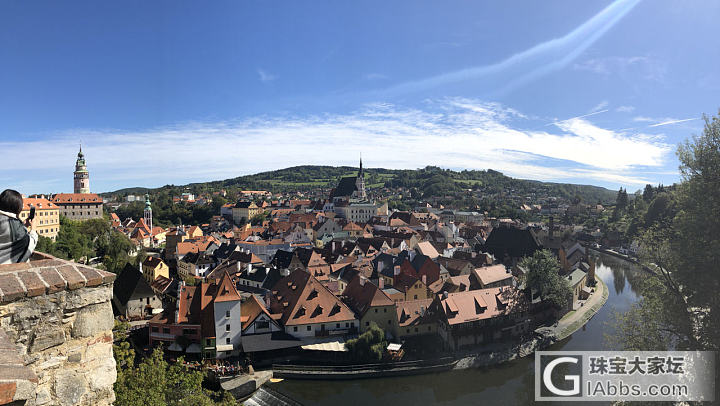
[
  {"x": 543, "y": 278},
  {"x": 680, "y": 307}
]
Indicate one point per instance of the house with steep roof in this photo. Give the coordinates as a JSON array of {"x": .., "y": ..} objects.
[
  {"x": 371, "y": 305},
  {"x": 262, "y": 333},
  {"x": 411, "y": 318},
  {"x": 309, "y": 309},
  {"x": 207, "y": 315},
  {"x": 133, "y": 298},
  {"x": 154, "y": 267},
  {"x": 475, "y": 317}
]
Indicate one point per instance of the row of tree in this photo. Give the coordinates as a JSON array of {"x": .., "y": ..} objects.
[{"x": 83, "y": 241}]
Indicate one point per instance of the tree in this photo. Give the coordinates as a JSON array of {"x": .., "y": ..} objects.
[
  {"x": 648, "y": 193},
  {"x": 155, "y": 382},
  {"x": 543, "y": 277},
  {"x": 114, "y": 248},
  {"x": 680, "y": 308},
  {"x": 369, "y": 346}
]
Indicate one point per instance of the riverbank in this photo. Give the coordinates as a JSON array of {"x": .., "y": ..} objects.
[
  {"x": 545, "y": 336},
  {"x": 493, "y": 354},
  {"x": 574, "y": 320},
  {"x": 403, "y": 368}
]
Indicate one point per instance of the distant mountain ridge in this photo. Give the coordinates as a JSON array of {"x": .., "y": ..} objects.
[{"x": 429, "y": 182}]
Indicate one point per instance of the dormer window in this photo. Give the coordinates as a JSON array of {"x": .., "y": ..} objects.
[{"x": 313, "y": 294}]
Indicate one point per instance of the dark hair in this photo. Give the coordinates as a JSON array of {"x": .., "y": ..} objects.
[{"x": 11, "y": 201}]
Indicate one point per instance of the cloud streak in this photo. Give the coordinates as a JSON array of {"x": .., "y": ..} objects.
[
  {"x": 668, "y": 122},
  {"x": 451, "y": 133},
  {"x": 528, "y": 65}
]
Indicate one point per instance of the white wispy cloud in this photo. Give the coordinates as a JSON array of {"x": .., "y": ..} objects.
[
  {"x": 643, "y": 66},
  {"x": 625, "y": 109},
  {"x": 530, "y": 64},
  {"x": 265, "y": 76},
  {"x": 600, "y": 106},
  {"x": 451, "y": 133}
]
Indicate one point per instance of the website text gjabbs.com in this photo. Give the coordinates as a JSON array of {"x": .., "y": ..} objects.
[{"x": 619, "y": 388}]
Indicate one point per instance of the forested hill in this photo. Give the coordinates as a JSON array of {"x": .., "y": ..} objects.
[{"x": 426, "y": 182}]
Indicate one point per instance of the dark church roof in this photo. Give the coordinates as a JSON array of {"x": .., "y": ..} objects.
[
  {"x": 345, "y": 187},
  {"x": 511, "y": 241}
]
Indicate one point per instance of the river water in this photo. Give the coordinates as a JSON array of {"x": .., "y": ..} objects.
[{"x": 508, "y": 384}]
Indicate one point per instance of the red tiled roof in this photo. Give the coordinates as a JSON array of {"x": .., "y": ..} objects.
[
  {"x": 64, "y": 198},
  {"x": 490, "y": 274},
  {"x": 472, "y": 305},
  {"x": 362, "y": 296},
  {"x": 302, "y": 299},
  {"x": 38, "y": 203}
]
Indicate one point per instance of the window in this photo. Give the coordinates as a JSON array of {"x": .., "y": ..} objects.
[
  {"x": 416, "y": 329},
  {"x": 227, "y": 340},
  {"x": 337, "y": 325},
  {"x": 155, "y": 329},
  {"x": 189, "y": 331},
  {"x": 375, "y": 310},
  {"x": 367, "y": 323},
  {"x": 385, "y": 310},
  {"x": 262, "y": 324},
  {"x": 389, "y": 322},
  {"x": 295, "y": 328},
  {"x": 166, "y": 330},
  {"x": 347, "y": 325},
  {"x": 309, "y": 328},
  {"x": 227, "y": 314},
  {"x": 428, "y": 328},
  {"x": 415, "y": 297},
  {"x": 227, "y": 327}
]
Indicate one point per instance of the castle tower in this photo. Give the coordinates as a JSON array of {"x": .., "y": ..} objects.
[
  {"x": 82, "y": 176},
  {"x": 148, "y": 212},
  {"x": 360, "y": 183}
]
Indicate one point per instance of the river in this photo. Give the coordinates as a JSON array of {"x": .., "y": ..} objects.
[{"x": 507, "y": 384}]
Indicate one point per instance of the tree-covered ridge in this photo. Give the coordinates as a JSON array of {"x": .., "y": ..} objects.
[{"x": 427, "y": 182}]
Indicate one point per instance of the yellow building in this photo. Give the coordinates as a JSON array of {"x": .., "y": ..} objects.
[
  {"x": 47, "y": 214},
  {"x": 244, "y": 211},
  {"x": 154, "y": 267}
]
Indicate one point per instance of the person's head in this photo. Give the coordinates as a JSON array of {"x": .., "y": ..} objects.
[{"x": 11, "y": 201}]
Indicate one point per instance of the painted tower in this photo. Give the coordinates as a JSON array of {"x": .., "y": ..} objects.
[
  {"x": 360, "y": 184},
  {"x": 148, "y": 212},
  {"x": 82, "y": 176}
]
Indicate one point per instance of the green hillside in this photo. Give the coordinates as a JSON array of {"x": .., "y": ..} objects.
[{"x": 428, "y": 182}]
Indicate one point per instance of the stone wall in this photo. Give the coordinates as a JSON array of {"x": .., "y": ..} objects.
[{"x": 58, "y": 317}]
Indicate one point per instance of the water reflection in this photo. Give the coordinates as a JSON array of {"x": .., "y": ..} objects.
[{"x": 508, "y": 384}]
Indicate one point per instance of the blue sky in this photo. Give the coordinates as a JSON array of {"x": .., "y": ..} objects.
[{"x": 592, "y": 92}]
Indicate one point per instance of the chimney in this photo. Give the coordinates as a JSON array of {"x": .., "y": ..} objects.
[
  {"x": 424, "y": 279},
  {"x": 267, "y": 300},
  {"x": 397, "y": 270},
  {"x": 333, "y": 246},
  {"x": 362, "y": 281},
  {"x": 381, "y": 283},
  {"x": 249, "y": 268}
]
